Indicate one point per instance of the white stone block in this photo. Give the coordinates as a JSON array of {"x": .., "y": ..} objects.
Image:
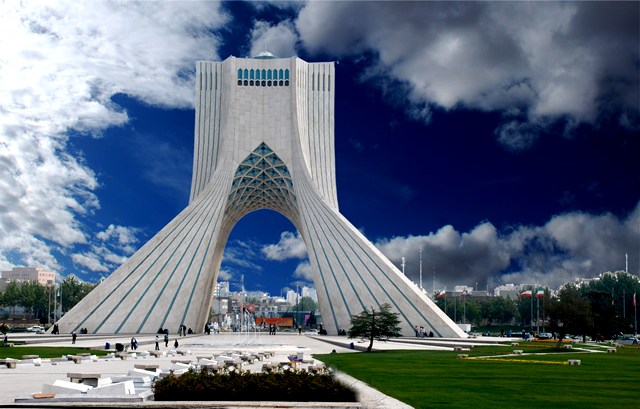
[
  {"x": 60, "y": 386},
  {"x": 120, "y": 388},
  {"x": 205, "y": 361},
  {"x": 179, "y": 366},
  {"x": 141, "y": 372},
  {"x": 137, "y": 380}
]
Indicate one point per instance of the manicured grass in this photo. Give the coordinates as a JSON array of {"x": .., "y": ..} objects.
[
  {"x": 47, "y": 352},
  {"x": 437, "y": 379}
]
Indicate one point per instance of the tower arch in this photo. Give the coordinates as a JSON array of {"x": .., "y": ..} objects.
[{"x": 256, "y": 147}]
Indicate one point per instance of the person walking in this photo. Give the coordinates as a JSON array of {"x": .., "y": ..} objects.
[
  {"x": 73, "y": 337},
  {"x": 157, "y": 343},
  {"x": 166, "y": 340}
]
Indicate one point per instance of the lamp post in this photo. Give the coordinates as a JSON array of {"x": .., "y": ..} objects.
[
  {"x": 464, "y": 307},
  {"x": 49, "y": 302},
  {"x": 55, "y": 303},
  {"x": 61, "y": 308}
]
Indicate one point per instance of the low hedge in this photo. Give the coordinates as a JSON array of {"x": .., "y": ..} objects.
[{"x": 291, "y": 386}]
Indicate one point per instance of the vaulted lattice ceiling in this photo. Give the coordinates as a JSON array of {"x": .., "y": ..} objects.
[{"x": 261, "y": 181}]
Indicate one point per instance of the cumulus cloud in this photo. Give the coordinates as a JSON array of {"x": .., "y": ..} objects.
[
  {"x": 289, "y": 246},
  {"x": 535, "y": 62},
  {"x": 568, "y": 246},
  {"x": 122, "y": 235},
  {"x": 112, "y": 247},
  {"x": 303, "y": 270},
  {"x": 279, "y": 40},
  {"x": 90, "y": 261},
  {"x": 453, "y": 256},
  {"x": 61, "y": 63},
  {"x": 225, "y": 275}
]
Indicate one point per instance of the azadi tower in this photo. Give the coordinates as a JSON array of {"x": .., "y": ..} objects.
[{"x": 264, "y": 139}]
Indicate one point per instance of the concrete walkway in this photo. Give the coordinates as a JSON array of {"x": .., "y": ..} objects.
[{"x": 28, "y": 378}]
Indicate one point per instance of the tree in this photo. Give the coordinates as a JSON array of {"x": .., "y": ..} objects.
[
  {"x": 611, "y": 299},
  {"x": 73, "y": 290},
  {"x": 33, "y": 298},
  {"x": 375, "y": 325},
  {"x": 12, "y": 295},
  {"x": 305, "y": 304},
  {"x": 570, "y": 312}
]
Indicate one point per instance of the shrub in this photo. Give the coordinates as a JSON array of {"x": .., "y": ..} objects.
[{"x": 295, "y": 386}]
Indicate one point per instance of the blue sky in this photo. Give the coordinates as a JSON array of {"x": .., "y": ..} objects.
[{"x": 501, "y": 139}]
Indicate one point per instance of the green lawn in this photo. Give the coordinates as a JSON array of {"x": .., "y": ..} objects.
[
  {"x": 437, "y": 379},
  {"x": 47, "y": 352}
]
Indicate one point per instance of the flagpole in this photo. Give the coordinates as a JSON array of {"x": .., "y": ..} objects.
[
  {"x": 635, "y": 317},
  {"x": 538, "y": 315},
  {"x": 420, "y": 269},
  {"x": 543, "y": 297},
  {"x": 531, "y": 322}
]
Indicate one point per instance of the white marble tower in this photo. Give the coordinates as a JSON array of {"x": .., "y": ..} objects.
[{"x": 264, "y": 139}]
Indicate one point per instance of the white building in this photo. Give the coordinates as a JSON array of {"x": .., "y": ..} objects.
[
  {"x": 310, "y": 292},
  {"x": 264, "y": 139},
  {"x": 510, "y": 290}
]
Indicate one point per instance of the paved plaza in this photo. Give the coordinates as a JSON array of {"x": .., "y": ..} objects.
[{"x": 28, "y": 378}]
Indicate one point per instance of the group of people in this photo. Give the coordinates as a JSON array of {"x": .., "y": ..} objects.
[
  {"x": 422, "y": 333},
  {"x": 166, "y": 341},
  {"x": 209, "y": 327}
]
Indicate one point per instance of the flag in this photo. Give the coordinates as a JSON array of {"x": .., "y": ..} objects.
[
  {"x": 634, "y": 299},
  {"x": 540, "y": 293},
  {"x": 527, "y": 293},
  {"x": 441, "y": 294}
]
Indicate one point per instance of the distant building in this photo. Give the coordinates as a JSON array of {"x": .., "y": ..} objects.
[
  {"x": 511, "y": 291},
  {"x": 23, "y": 274},
  {"x": 310, "y": 292},
  {"x": 292, "y": 297},
  {"x": 221, "y": 289}
]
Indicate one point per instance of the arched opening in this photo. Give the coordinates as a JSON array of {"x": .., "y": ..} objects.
[{"x": 264, "y": 277}]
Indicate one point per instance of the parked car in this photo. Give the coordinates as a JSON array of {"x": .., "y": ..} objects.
[
  {"x": 36, "y": 328},
  {"x": 627, "y": 339},
  {"x": 545, "y": 335}
]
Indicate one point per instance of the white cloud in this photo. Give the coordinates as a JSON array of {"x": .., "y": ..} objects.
[
  {"x": 279, "y": 40},
  {"x": 290, "y": 246},
  {"x": 225, "y": 275},
  {"x": 123, "y": 235},
  {"x": 532, "y": 61},
  {"x": 568, "y": 246},
  {"x": 90, "y": 261},
  {"x": 303, "y": 270},
  {"x": 61, "y": 63},
  {"x": 112, "y": 247}
]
